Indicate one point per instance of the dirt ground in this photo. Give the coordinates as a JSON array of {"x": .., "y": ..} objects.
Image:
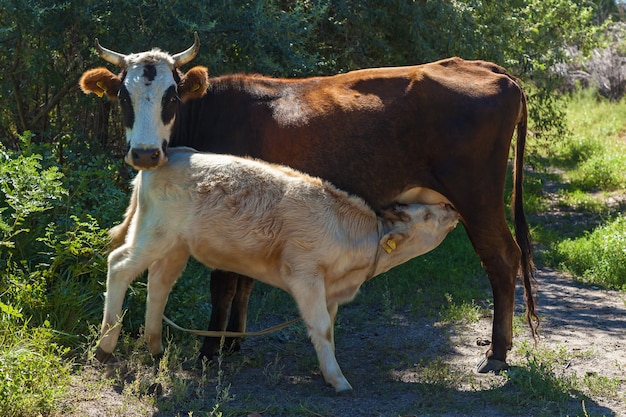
[{"x": 399, "y": 365}]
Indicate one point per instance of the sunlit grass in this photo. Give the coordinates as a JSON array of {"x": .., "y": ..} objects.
[
  {"x": 598, "y": 257},
  {"x": 33, "y": 373},
  {"x": 591, "y": 162},
  {"x": 595, "y": 151}
]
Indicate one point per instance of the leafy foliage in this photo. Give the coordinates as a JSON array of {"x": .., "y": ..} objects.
[
  {"x": 28, "y": 189},
  {"x": 46, "y": 47}
]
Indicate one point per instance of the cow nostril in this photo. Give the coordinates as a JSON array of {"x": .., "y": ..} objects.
[{"x": 146, "y": 157}]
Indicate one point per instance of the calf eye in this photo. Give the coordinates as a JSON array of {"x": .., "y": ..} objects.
[{"x": 428, "y": 215}]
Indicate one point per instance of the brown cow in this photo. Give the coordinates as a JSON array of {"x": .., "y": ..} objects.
[
  {"x": 428, "y": 133},
  {"x": 270, "y": 222}
]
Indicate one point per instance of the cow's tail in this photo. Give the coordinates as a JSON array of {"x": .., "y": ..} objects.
[
  {"x": 522, "y": 232},
  {"x": 117, "y": 234}
]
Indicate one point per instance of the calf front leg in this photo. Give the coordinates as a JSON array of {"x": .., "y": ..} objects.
[
  {"x": 162, "y": 275},
  {"x": 123, "y": 267}
]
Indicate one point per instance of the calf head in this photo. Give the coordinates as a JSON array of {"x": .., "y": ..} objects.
[
  {"x": 150, "y": 89},
  {"x": 412, "y": 230}
]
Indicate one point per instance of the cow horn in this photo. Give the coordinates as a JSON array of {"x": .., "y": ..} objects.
[
  {"x": 184, "y": 57},
  {"x": 113, "y": 57}
]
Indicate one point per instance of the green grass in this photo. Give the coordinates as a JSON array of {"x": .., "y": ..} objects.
[
  {"x": 589, "y": 238},
  {"x": 34, "y": 374},
  {"x": 594, "y": 153},
  {"x": 599, "y": 257}
]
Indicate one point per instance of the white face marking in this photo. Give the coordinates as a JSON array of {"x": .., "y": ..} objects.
[{"x": 146, "y": 90}]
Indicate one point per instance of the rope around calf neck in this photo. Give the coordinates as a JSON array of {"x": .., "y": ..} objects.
[{"x": 211, "y": 333}]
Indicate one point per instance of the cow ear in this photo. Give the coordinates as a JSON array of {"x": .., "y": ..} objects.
[
  {"x": 390, "y": 241},
  {"x": 194, "y": 83},
  {"x": 100, "y": 81}
]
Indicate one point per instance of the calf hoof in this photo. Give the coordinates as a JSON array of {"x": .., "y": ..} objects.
[
  {"x": 343, "y": 387},
  {"x": 492, "y": 365},
  {"x": 102, "y": 356}
]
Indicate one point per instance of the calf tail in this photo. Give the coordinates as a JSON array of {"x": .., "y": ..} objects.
[
  {"x": 522, "y": 232},
  {"x": 117, "y": 234}
]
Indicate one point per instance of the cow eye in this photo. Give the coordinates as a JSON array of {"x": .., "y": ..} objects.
[
  {"x": 123, "y": 98},
  {"x": 428, "y": 215},
  {"x": 127, "y": 109},
  {"x": 170, "y": 103},
  {"x": 171, "y": 97}
]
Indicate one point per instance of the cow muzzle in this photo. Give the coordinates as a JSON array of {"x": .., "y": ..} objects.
[{"x": 150, "y": 158}]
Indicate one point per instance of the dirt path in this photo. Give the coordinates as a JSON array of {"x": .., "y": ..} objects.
[{"x": 399, "y": 366}]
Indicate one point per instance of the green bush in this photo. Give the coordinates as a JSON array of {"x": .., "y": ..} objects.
[
  {"x": 52, "y": 266},
  {"x": 52, "y": 261}
]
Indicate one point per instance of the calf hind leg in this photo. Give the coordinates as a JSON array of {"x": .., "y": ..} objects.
[{"x": 312, "y": 304}]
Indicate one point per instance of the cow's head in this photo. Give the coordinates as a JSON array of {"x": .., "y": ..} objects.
[{"x": 150, "y": 89}]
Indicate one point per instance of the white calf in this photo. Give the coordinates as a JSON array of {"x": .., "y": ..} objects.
[{"x": 269, "y": 222}]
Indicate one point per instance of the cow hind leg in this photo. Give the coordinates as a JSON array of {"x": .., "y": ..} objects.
[
  {"x": 312, "y": 304},
  {"x": 162, "y": 275},
  {"x": 500, "y": 257}
]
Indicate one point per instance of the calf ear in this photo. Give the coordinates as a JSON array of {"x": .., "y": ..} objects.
[
  {"x": 390, "y": 241},
  {"x": 395, "y": 214},
  {"x": 194, "y": 83},
  {"x": 100, "y": 81}
]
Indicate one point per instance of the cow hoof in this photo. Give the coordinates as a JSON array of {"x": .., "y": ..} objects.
[
  {"x": 155, "y": 389},
  {"x": 200, "y": 363},
  {"x": 156, "y": 360},
  {"x": 492, "y": 365},
  {"x": 102, "y": 356}
]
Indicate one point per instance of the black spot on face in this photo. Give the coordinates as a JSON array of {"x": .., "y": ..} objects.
[
  {"x": 149, "y": 72},
  {"x": 128, "y": 114},
  {"x": 169, "y": 104}
]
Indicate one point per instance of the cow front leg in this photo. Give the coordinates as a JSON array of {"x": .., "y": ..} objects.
[
  {"x": 311, "y": 302},
  {"x": 162, "y": 275},
  {"x": 239, "y": 311},
  {"x": 223, "y": 291},
  {"x": 123, "y": 266}
]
